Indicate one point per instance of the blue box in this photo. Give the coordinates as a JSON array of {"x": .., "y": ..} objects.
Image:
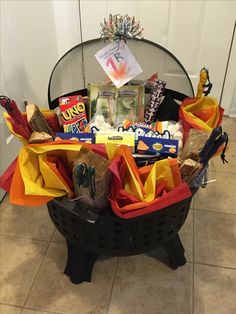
[
  {"x": 154, "y": 145},
  {"x": 82, "y": 137}
]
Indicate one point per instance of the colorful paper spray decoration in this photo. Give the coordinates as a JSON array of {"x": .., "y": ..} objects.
[{"x": 119, "y": 27}]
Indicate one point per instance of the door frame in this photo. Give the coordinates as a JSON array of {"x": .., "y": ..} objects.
[{"x": 228, "y": 95}]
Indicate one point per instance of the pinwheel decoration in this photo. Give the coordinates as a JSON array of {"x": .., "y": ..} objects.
[{"x": 121, "y": 27}]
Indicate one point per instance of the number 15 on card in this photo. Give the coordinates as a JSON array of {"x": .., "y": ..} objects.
[{"x": 119, "y": 63}]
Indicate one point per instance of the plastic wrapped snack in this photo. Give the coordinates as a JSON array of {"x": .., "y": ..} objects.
[
  {"x": 195, "y": 141},
  {"x": 126, "y": 107}
]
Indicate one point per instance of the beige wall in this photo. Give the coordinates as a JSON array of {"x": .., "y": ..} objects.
[
  {"x": 28, "y": 49},
  {"x": 36, "y": 33},
  {"x": 28, "y": 53}
]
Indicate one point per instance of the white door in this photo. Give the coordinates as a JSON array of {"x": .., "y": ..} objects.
[
  {"x": 28, "y": 54},
  {"x": 198, "y": 33},
  {"x": 10, "y": 83},
  {"x": 229, "y": 92}
]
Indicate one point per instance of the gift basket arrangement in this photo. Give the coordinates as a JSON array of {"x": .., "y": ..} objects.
[{"x": 116, "y": 161}]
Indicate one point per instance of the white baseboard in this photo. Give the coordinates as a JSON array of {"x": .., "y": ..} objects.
[{"x": 232, "y": 113}]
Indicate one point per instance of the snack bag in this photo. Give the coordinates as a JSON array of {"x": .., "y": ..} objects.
[{"x": 73, "y": 114}]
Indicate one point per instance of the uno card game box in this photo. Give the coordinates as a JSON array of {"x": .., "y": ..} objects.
[{"x": 73, "y": 114}]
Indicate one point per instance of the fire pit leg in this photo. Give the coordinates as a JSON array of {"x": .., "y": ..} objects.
[
  {"x": 79, "y": 264},
  {"x": 175, "y": 252}
]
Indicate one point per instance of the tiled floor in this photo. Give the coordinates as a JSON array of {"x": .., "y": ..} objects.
[{"x": 33, "y": 256}]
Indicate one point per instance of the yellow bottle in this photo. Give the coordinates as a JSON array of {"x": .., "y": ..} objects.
[{"x": 202, "y": 81}]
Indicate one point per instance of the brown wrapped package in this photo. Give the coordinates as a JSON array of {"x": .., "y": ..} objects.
[
  {"x": 91, "y": 179},
  {"x": 37, "y": 121},
  {"x": 40, "y": 137}
]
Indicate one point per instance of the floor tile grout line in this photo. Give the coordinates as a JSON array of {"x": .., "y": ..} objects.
[
  {"x": 211, "y": 265},
  {"x": 58, "y": 242},
  {"x": 39, "y": 268},
  {"x": 13, "y": 305},
  {"x": 34, "y": 279},
  {"x": 53, "y": 234},
  {"x": 112, "y": 286},
  {"x": 214, "y": 265},
  {"x": 214, "y": 211},
  {"x": 211, "y": 170},
  {"x": 23, "y": 238},
  {"x": 39, "y": 310},
  {"x": 222, "y": 171}
]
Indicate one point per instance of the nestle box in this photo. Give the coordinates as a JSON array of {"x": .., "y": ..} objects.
[
  {"x": 157, "y": 145},
  {"x": 82, "y": 137},
  {"x": 117, "y": 138}
]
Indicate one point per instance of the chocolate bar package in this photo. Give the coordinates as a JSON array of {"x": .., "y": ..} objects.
[{"x": 73, "y": 114}]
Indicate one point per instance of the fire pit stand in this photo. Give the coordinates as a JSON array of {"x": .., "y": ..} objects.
[{"x": 110, "y": 235}]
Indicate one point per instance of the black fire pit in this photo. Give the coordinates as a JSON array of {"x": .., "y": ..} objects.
[
  {"x": 114, "y": 236},
  {"x": 109, "y": 234}
]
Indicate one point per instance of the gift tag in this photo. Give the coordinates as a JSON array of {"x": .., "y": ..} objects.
[{"x": 119, "y": 63}]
